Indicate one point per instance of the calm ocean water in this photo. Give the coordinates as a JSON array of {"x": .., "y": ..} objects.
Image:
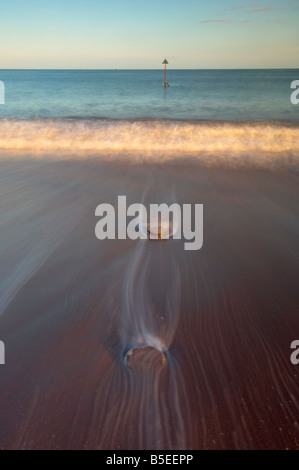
[{"x": 239, "y": 95}]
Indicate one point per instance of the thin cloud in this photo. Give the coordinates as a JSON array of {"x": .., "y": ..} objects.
[
  {"x": 224, "y": 21},
  {"x": 258, "y": 10},
  {"x": 253, "y": 7},
  {"x": 216, "y": 21},
  {"x": 257, "y": 7},
  {"x": 241, "y": 7}
]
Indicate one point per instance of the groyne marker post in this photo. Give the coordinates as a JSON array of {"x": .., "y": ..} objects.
[{"x": 165, "y": 81}]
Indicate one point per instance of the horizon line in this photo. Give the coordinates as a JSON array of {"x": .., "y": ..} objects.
[{"x": 160, "y": 69}]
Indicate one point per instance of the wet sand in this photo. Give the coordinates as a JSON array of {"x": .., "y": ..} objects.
[{"x": 72, "y": 306}]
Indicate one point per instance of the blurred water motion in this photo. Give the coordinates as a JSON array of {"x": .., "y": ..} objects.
[{"x": 72, "y": 307}]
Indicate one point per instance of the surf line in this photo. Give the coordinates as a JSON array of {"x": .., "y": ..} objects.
[
  {"x": 159, "y": 225},
  {"x": 123, "y": 460}
]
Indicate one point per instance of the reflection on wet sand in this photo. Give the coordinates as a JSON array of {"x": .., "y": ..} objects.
[{"x": 122, "y": 344}]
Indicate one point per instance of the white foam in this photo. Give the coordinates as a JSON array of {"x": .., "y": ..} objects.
[{"x": 231, "y": 144}]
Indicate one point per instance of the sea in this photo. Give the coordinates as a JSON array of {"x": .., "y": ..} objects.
[
  {"x": 217, "y": 95},
  {"x": 208, "y": 114}
]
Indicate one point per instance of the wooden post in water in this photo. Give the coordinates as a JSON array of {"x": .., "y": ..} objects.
[{"x": 165, "y": 82}]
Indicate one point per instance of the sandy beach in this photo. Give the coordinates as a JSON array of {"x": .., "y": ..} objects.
[{"x": 72, "y": 306}]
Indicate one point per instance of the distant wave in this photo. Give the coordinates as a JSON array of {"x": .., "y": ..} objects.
[{"x": 213, "y": 143}]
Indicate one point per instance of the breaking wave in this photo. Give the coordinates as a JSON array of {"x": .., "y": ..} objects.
[{"x": 212, "y": 143}]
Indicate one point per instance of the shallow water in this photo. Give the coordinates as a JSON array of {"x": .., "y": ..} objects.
[
  {"x": 238, "y": 95},
  {"x": 72, "y": 306}
]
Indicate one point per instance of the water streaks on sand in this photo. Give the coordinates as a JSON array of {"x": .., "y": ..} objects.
[{"x": 224, "y": 317}]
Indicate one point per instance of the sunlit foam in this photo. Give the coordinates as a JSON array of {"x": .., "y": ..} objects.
[
  {"x": 216, "y": 143},
  {"x": 163, "y": 231},
  {"x": 158, "y": 231}
]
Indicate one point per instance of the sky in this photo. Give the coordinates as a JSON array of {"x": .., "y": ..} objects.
[{"x": 139, "y": 34}]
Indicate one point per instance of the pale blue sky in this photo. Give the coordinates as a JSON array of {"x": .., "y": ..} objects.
[{"x": 101, "y": 34}]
